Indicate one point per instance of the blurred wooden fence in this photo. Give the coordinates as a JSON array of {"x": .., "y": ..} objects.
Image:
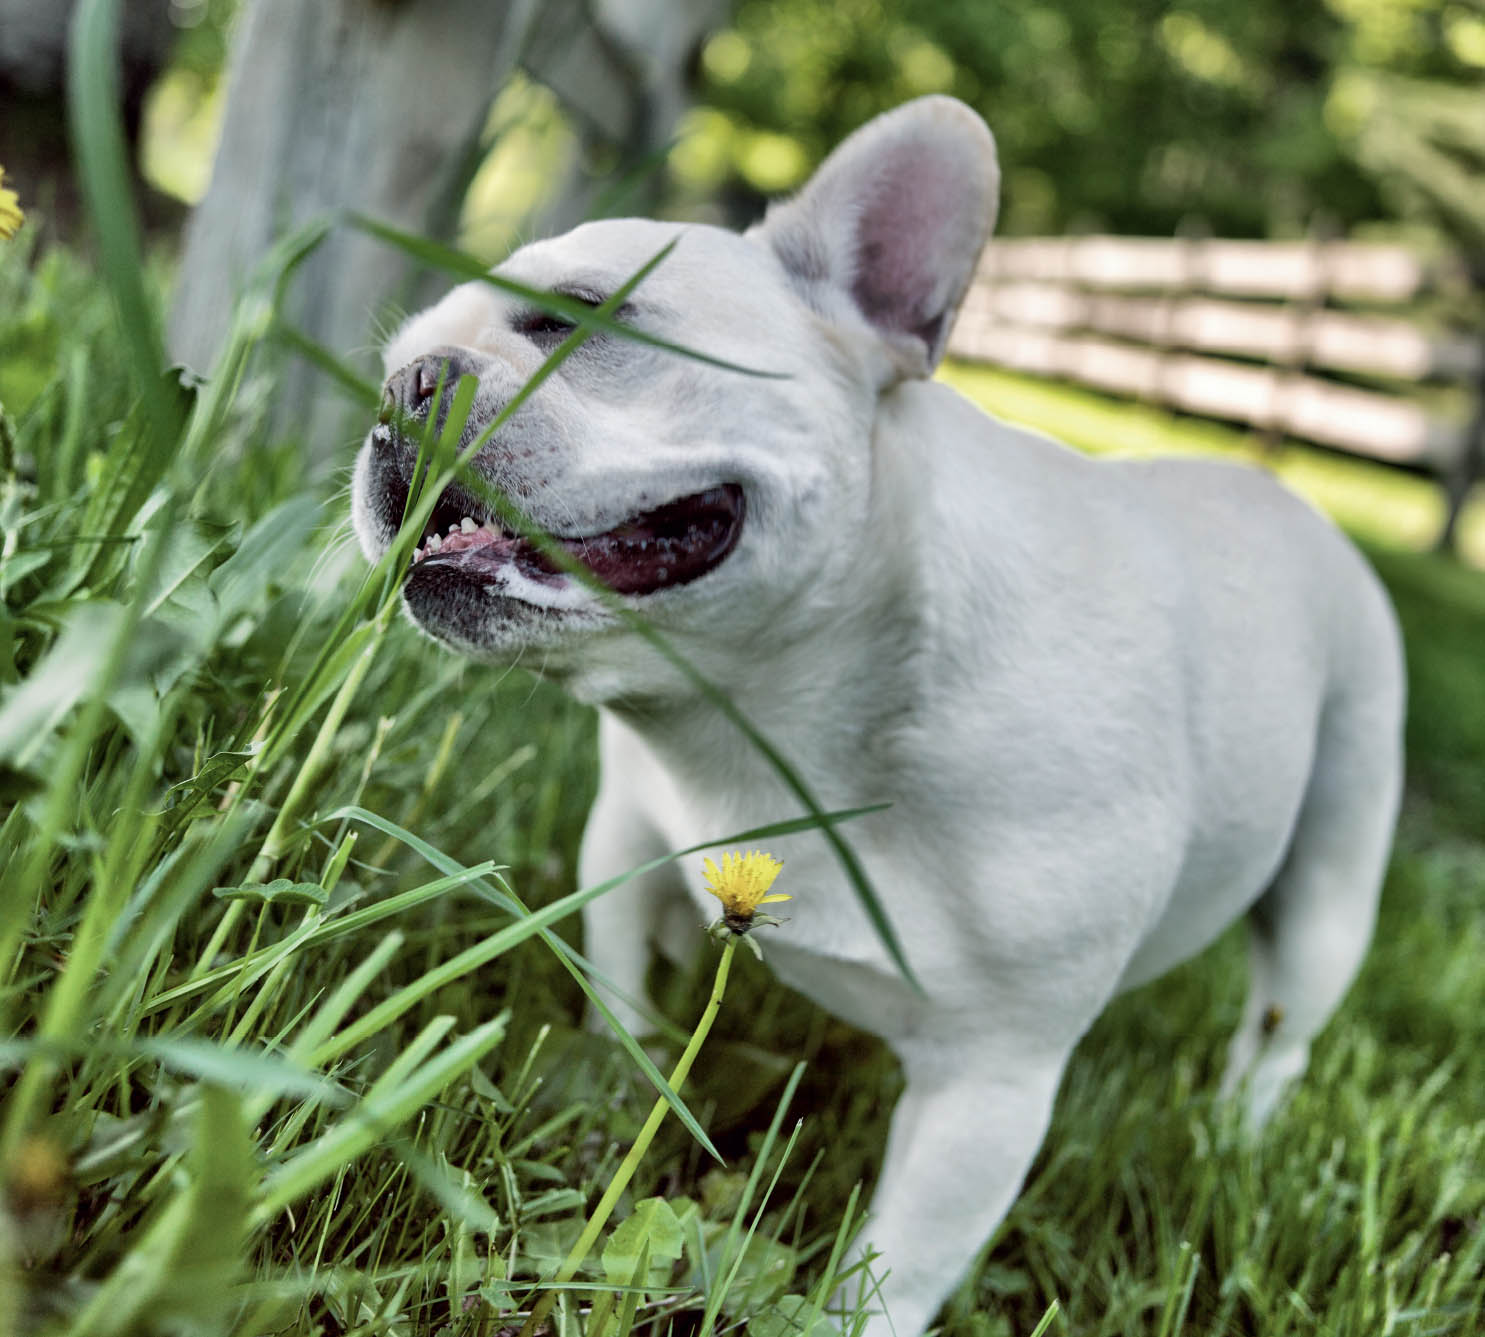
[{"x": 1323, "y": 341}]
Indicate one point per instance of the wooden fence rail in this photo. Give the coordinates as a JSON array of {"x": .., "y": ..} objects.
[{"x": 1267, "y": 334}]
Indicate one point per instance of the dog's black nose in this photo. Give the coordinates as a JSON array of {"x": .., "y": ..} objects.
[{"x": 411, "y": 389}]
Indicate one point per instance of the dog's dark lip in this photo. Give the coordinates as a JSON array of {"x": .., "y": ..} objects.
[{"x": 650, "y": 551}]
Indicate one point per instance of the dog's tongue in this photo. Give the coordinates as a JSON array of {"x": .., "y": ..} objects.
[
  {"x": 668, "y": 546},
  {"x": 459, "y": 540}
]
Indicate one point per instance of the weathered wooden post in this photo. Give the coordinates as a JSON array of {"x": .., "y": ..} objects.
[
  {"x": 378, "y": 106},
  {"x": 371, "y": 105}
]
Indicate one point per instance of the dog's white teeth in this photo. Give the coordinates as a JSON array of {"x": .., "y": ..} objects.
[
  {"x": 417, "y": 555},
  {"x": 468, "y": 525},
  {"x": 434, "y": 542}
]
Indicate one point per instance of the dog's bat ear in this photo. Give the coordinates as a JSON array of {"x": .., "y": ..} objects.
[{"x": 889, "y": 228}]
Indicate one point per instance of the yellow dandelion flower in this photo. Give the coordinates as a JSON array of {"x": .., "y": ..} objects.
[
  {"x": 742, "y": 884},
  {"x": 11, "y": 216}
]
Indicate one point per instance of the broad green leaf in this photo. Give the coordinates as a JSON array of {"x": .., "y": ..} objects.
[
  {"x": 264, "y": 556},
  {"x": 281, "y": 891},
  {"x": 191, "y": 615},
  {"x": 544, "y": 1245},
  {"x": 183, "y": 799},
  {"x": 181, "y": 598},
  {"x": 652, "y": 1228},
  {"x": 790, "y": 1316},
  {"x": 157, "y": 655},
  {"x": 188, "y": 549},
  {"x": 137, "y": 707},
  {"x": 33, "y": 709}
]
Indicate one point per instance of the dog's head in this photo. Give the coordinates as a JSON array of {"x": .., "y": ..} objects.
[{"x": 718, "y": 504}]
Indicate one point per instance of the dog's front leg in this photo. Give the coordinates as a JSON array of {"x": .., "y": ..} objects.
[
  {"x": 622, "y": 926},
  {"x": 963, "y": 1136}
]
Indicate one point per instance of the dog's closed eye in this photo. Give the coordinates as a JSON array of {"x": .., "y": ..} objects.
[
  {"x": 543, "y": 326},
  {"x": 548, "y": 327}
]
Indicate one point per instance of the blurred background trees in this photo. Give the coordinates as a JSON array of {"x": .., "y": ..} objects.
[
  {"x": 490, "y": 122},
  {"x": 1136, "y": 116}
]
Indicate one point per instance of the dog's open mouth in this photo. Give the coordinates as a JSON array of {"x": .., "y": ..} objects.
[{"x": 653, "y": 550}]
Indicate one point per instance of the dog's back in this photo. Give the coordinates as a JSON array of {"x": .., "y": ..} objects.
[{"x": 1188, "y": 625}]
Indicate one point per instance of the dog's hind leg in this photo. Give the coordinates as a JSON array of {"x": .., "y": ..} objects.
[{"x": 1310, "y": 930}]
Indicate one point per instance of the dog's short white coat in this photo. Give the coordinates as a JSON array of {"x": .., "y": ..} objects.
[{"x": 1113, "y": 704}]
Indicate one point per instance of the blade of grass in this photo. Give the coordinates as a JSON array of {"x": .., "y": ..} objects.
[
  {"x": 717, "y": 1292},
  {"x": 93, "y": 102},
  {"x": 1045, "y": 1323},
  {"x": 825, "y": 1287},
  {"x": 371, "y": 1120},
  {"x": 256, "y": 962},
  {"x": 355, "y": 386}
]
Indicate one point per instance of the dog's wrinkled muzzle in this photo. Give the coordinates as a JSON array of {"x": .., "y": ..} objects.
[{"x": 465, "y": 539}]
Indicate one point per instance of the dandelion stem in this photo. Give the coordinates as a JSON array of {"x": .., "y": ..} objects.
[{"x": 630, "y": 1164}]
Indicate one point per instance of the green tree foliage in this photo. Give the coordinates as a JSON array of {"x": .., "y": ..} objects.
[
  {"x": 1411, "y": 104},
  {"x": 1135, "y": 116}
]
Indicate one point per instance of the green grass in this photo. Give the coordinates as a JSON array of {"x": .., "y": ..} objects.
[{"x": 269, "y": 1069}]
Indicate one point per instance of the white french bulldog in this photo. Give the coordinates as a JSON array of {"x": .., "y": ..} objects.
[{"x": 1113, "y": 705}]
